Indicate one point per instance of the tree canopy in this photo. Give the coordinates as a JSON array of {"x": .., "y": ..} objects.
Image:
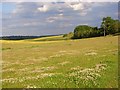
[{"x": 108, "y": 26}]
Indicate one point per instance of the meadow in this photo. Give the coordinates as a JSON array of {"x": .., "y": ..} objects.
[{"x": 57, "y": 63}]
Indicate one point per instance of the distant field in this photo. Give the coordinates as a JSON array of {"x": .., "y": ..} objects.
[{"x": 49, "y": 63}]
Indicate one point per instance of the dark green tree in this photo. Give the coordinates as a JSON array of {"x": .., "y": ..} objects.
[
  {"x": 84, "y": 31},
  {"x": 110, "y": 26}
]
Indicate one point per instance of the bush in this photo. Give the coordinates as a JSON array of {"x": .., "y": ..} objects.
[
  {"x": 84, "y": 31},
  {"x": 69, "y": 35}
]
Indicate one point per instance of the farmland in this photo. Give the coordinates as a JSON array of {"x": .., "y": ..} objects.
[{"x": 52, "y": 62}]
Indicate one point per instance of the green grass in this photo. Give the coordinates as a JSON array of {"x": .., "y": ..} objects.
[
  {"x": 49, "y": 38},
  {"x": 40, "y": 63}
]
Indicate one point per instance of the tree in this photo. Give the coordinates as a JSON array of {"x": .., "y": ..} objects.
[
  {"x": 110, "y": 26},
  {"x": 84, "y": 31},
  {"x": 116, "y": 26}
]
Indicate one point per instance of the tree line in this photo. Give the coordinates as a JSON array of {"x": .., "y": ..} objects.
[
  {"x": 108, "y": 26},
  {"x": 24, "y": 37}
]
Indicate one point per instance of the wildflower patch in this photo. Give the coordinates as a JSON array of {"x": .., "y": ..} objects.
[{"x": 86, "y": 76}]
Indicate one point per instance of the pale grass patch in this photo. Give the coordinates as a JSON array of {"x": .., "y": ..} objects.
[
  {"x": 31, "y": 86},
  {"x": 22, "y": 79},
  {"x": 103, "y": 55},
  {"x": 10, "y": 80},
  {"x": 17, "y": 80},
  {"x": 72, "y": 52},
  {"x": 63, "y": 52},
  {"x": 24, "y": 69},
  {"x": 9, "y": 70},
  {"x": 43, "y": 58},
  {"x": 64, "y": 63},
  {"x": 112, "y": 50},
  {"x": 48, "y": 68},
  {"x": 47, "y": 75},
  {"x": 100, "y": 67},
  {"x": 37, "y": 71},
  {"x": 8, "y": 64},
  {"x": 56, "y": 55},
  {"x": 91, "y": 53},
  {"x": 43, "y": 69},
  {"x": 37, "y": 60},
  {"x": 76, "y": 68}
]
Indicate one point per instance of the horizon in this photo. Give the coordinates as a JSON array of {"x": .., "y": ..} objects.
[
  {"x": 31, "y": 36},
  {"x": 40, "y": 19}
]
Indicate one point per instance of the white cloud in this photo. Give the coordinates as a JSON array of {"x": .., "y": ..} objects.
[
  {"x": 54, "y": 18},
  {"x": 61, "y": 14},
  {"x": 24, "y": 8},
  {"x": 44, "y": 8},
  {"x": 81, "y": 8},
  {"x": 78, "y": 6},
  {"x": 33, "y": 8},
  {"x": 45, "y": 18}
]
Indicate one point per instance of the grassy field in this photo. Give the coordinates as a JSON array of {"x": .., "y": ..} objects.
[{"x": 43, "y": 63}]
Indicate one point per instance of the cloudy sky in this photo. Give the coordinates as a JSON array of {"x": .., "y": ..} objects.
[{"x": 45, "y": 18}]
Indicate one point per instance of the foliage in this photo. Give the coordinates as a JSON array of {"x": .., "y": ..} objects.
[
  {"x": 69, "y": 35},
  {"x": 108, "y": 26},
  {"x": 84, "y": 31}
]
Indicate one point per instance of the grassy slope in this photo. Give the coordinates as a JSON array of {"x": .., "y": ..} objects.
[
  {"x": 67, "y": 64},
  {"x": 51, "y": 38}
]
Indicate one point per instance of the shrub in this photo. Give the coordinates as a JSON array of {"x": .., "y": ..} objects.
[{"x": 84, "y": 31}]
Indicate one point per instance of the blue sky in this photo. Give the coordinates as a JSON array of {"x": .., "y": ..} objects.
[{"x": 39, "y": 18}]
